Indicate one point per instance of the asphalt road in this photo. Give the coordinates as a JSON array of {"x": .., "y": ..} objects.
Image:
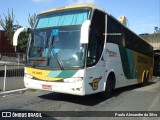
[{"x": 132, "y": 98}]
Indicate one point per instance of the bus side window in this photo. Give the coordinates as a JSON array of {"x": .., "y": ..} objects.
[
  {"x": 92, "y": 49},
  {"x": 96, "y": 38}
]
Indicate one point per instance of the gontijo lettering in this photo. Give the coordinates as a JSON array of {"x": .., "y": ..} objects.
[{"x": 141, "y": 59}]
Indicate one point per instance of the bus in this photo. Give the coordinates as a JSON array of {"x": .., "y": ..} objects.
[{"x": 83, "y": 50}]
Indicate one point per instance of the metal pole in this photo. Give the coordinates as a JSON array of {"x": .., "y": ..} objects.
[
  {"x": 5, "y": 72},
  {"x": 18, "y": 59}
]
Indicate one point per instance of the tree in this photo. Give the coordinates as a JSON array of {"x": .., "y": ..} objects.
[
  {"x": 22, "y": 42},
  {"x": 156, "y": 30},
  {"x": 8, "y": 24},
  {"x": 23, "y": 38},
  {"x": 32, "y": 20}
]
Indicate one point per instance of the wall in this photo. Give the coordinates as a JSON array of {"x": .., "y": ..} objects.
[
  {"x": 5, "y": 46},
  {"x": 154, "y": 40}
]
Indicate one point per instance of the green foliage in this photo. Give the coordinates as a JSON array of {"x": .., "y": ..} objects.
[
  {"x": 22, "y": 42},
  {"x": 32, "y": 20},
  {"x": 7, "y": 24},
  {"x": 23, "y": 38}
]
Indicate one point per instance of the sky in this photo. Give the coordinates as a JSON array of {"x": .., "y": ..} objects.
[{"x": 142, "y": 15}]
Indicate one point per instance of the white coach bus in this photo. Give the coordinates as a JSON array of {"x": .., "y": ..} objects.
[{"x": 83, "y": 50}]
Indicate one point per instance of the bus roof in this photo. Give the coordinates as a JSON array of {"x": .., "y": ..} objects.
[{"x": 69, "y": 7}]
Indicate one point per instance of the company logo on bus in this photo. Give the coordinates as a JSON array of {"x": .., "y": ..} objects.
[
  {"x": 95, "y": 83},
  {"x": 111, "y": 53}
]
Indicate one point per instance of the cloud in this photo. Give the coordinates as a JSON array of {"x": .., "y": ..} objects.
[
  {"x": 42, "y": 0},
  {"x": 71, "y": 2}
]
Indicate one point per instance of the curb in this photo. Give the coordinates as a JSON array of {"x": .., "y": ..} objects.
[{"x": 13, "y": 92}]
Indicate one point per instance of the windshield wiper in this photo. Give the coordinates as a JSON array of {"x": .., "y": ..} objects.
[
  {"x": 58, "y": 59},
  {"x": 56, "y": 55}
]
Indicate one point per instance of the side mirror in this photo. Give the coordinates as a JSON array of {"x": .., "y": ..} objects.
[
  {"x": 85, "y": 32},
  {"x": 17, "y": 33}
]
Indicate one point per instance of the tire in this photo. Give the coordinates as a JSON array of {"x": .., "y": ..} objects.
[
  {"x": 145, "y": 80},
  {"x": 108, "y": 89}
]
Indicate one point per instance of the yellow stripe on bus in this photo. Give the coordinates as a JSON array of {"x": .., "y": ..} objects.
[
  {"x": 41, "y": 74},
  {"x": 144, "y": 65}
]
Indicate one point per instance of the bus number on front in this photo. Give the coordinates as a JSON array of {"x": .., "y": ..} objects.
[{"x": 36, "y": 72}]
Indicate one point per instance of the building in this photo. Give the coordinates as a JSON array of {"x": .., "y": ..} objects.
[
  {"x": 154, "y": 40},
  {"x": 5, "y": 46}
]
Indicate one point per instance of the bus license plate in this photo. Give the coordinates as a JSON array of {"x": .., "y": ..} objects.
[{"x": 47, "y": 87}]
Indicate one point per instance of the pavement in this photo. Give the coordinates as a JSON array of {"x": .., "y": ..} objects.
[{"x": 130, "y": 99}]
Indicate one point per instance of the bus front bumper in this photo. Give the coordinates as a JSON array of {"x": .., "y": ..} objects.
[{"x": 75, "y": 88}]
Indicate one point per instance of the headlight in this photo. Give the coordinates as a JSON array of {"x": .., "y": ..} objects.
[
  {"x": 28, "y": 76},
  {"x": 73, "y": 80}
]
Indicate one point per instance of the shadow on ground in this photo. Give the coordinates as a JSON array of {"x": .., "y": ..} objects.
[
  {"x": 88, "y": 100},
  {"x": 129, "y": 88}
]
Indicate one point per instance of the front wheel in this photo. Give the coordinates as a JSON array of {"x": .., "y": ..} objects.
[{"x": 108, "y": 89}]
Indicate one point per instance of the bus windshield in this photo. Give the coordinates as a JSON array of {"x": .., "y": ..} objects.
[
  {"x": 55, "y": 40},
  {"x": 58, "y": 47}
]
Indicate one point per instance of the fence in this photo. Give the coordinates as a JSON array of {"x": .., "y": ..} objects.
[
  {"x": 11, "y": 71},
  {"x": 11, "y": 77},
  {"x": 12, "y": 58}
]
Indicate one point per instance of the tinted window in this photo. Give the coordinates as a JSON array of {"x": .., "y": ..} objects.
[
  {"x": 114, "y": 31},
  {"x": 96, "y": 38},
  {"x": 119, "y": 34}
]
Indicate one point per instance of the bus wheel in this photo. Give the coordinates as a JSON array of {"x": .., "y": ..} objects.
[
  {"x": 145, "y": 80},
  {"x": 108, "y": 89}
]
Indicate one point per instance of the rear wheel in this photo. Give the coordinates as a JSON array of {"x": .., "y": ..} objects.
[{"x": 145, "y": 80}]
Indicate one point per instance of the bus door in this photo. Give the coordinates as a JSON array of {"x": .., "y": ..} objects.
[{"x": 95, "y": 65}]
